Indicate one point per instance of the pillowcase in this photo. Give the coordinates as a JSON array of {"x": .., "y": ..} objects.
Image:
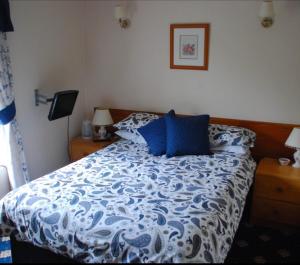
[
  {"x": 187, "y": 135},
  {"x": 220, "y": 135},
  {"x": 134, "y": 121},
  {"x": 155, "y": 135},
  {"x": 138, "y": 139},
  {"x": 241, "y": 150}
]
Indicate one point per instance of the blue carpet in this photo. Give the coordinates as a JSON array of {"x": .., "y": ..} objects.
[
  {"x": 256, "y": 244},
  {"x": 5, "y": 250}
]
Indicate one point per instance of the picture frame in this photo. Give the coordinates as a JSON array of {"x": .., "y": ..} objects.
[{"x": 189, "y": 46}]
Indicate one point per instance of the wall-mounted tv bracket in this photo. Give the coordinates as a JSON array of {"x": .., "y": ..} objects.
[{"x": 41, "y": 99}]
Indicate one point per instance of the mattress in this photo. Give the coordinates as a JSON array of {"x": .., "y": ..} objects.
[{"x": 122, "y": 204}]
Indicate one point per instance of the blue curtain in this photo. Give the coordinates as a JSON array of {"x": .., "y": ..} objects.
[{"x": 11, "y": 145}]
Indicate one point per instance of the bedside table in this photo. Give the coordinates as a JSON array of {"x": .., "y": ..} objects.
[
  {"x": 276, "y": 198},
  {"x": 80, "y": 147}
]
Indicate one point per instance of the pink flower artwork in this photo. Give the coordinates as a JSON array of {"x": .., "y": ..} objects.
[{"x": 188, "y": 49}]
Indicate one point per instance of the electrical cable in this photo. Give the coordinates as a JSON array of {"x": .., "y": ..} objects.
[{"x": 68, "y": 138}]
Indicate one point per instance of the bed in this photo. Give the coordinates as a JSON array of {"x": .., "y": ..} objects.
[{"x": 121, "y": 204}]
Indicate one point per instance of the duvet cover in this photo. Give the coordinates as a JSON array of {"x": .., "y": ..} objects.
[{"x": 122, "y": 204}]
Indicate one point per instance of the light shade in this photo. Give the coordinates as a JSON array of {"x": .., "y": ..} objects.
[
  {"x": 294, "y": 139},
  {"x": 102, "y": 117},
  {"x": 120, "y": 12},
  {"x": 266, "y": 9}
]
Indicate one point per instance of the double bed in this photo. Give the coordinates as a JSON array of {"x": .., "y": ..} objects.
[{"x": 122, "y": 204}]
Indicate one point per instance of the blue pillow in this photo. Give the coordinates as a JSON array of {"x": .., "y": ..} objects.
[
  {"x": 154, "y": 134},
  {"x": 187, "y": 135}
]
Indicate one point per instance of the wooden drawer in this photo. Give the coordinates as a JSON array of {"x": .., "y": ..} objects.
[
  {"x": 278, "y": 188},
  {"x": 265, "y": 211},
  {"x": 80, "y": 148},
  {"x": 79, "y": 152}
]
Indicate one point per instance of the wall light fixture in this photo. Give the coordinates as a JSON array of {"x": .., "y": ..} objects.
[
  {"x": 121, "y": 14},
  {"x": 266, "y": 13}
]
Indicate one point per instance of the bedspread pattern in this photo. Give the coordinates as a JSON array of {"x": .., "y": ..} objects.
[{"x": 123, "y": 205}]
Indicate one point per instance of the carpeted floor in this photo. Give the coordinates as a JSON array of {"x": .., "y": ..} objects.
[
  {"x": 255, "y": 244},
  {"x": 252, "y": 244}
]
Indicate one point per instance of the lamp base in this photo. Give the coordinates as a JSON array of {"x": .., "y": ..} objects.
[
  {"x": 297, "y": 159},
  {"x": 267, "y": 22},
  {"x": 102, "y": 135}
]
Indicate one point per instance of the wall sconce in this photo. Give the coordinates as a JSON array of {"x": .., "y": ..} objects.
[
  {"x": 266, "y": 13},
  {"x": 121, "y": 16}
]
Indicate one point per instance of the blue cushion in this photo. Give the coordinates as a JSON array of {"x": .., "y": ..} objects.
[
  {"x": 187, "y": 135},
  {"x": 154, "y": 134}
]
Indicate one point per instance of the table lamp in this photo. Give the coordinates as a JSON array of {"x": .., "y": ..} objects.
[
  {"x": 102, "y": 118},
  {"x": 293, "y": 141}
]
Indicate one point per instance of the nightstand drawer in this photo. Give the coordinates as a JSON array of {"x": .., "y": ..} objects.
[
  {"x": 80, "y": 148},
  {"x": 276, "y": 211},
  {"x": 276, "y": 197},
  {"x": 281, "y": 189},
  {"x": 78, "y": 152}
]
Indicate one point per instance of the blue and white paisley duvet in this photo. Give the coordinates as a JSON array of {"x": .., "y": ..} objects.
[{"x": 123, "y": 205}]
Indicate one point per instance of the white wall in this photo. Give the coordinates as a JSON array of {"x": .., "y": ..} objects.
[
  {"x": 47, "y": 51},
  {"x": 254, "y": 73}
]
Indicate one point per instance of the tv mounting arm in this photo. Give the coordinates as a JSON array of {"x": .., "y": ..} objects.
[{"x": 41, "y": 99}]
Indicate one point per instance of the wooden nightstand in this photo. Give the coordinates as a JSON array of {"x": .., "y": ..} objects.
[
  {"x": 276, "y": 198},
  {"x": 80, "y": 148}
]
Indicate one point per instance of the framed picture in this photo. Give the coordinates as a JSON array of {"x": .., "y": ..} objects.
[{"x": 189, "y": 46}]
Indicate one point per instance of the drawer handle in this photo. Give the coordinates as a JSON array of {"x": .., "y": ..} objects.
[{"x": 279, "y": 189}]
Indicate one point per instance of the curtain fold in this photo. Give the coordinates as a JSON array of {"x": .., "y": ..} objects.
[
  {"x": 5, "y": 20},
  {"x": 11, "y": 145}
]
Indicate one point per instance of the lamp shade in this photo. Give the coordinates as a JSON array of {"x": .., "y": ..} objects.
[
  {"x": 102, "y": 117},
  {"x": 266, "y": 9},
  {"x": 294, "y": 139},
  {"x": 120, "y": 12}
]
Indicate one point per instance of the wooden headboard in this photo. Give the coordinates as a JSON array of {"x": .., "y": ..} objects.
[{"x": 270, "y": 137}]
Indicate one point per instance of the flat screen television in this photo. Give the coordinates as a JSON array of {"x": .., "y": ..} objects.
[{"x": 62, "y": 104}]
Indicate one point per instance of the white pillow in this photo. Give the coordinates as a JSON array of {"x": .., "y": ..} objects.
[{"x": 134, "y": 137}]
